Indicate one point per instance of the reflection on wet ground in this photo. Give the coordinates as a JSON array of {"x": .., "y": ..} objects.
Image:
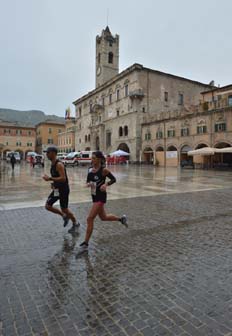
[
  {"x": 168, "y": 274},
  {"x": 24, "y": 187}
]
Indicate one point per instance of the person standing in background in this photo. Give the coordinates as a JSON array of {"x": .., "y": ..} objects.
[{"x": 12, "y": 161}]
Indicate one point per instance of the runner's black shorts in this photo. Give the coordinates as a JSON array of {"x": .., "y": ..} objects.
[{"x": 63, "y": 198}]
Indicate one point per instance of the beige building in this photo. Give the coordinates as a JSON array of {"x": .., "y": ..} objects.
[
  {"x": 168, "y": 137},
  {"x": 116, "y": 114},
  {"x": 66, "y": 139},
  {"x": 16, "y": 137},
  {"x": 47, "y": 134}
]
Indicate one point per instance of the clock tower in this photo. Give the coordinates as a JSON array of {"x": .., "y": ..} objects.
[{"x": 107, "y": 56}]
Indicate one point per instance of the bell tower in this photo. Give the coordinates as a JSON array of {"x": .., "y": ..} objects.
[{"x": 107, "y": 56}]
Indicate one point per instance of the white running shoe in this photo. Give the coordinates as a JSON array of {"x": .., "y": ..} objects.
[
  {"x": 74, "y": 228},
  {"x": 83, "y": 248}
]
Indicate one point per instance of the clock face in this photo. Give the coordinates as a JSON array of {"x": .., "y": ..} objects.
[{"x": 99, "y": 71}]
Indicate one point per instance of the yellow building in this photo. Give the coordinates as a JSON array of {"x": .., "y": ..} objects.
[
  {"x": 66, "y": 139},
  {"x": 16, "y": 137},
  {"x": 47, "y": 134}
]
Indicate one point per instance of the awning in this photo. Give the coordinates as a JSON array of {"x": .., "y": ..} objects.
[
  {"x": 120, "y": 152},
  {"x": 209, "y": 151},
  {"x": 223, "y": 150},
  {"x": 202, "y": 151}
]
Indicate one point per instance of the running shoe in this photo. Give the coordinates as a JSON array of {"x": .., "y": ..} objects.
[
  {"x": 66, "y": 220},
  {"x": 74, "y": 228},
  {"x": 83, "y": 248},
  {"x": 123, "y": 220}
]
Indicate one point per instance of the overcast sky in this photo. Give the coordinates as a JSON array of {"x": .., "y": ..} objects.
[{"x": 47, "y": 47}]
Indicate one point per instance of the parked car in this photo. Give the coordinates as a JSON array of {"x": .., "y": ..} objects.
[
  {"x": 16, "y": 155},
  {"x": 187, "y": 163},
  {"x": 38, "y": 160},
  {"x": 72, "y": 159}
]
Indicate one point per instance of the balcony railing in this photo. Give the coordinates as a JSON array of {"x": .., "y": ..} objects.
[
  {"x": 95, "y": 108},
  {"x": 214, "y": 105},
  {"x": 137, "y": 94}
]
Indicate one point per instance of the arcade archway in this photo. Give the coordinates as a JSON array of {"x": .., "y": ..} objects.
[
  {"x": 148, "y": 155},
  {"x": 171, "y": 156},
  {"x": 222, "y": 159},
  {"x": 184, "y": 153},
  {"x": 201, "y": 145},
  {"x": 124, "y": 147},
  {"x": 159, "y": 156}
]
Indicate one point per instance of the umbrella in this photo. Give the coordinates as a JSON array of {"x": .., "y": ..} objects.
[
  {"x": 202, "y": 151},
  {"x": 119, "y": 152}
]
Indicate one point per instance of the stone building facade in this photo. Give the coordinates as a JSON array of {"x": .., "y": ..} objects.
[
  {"x": 167, "y": 137},
  {"x": 117, "y": 113}
]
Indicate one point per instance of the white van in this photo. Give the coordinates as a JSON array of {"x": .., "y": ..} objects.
[
  {"x": 62, "y": 157},
  {"x": 72, "y": 159},
  {"x": 85, "y": 157}
]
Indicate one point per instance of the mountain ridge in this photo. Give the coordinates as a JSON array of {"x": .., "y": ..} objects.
[{"x": 29, "y": 117}]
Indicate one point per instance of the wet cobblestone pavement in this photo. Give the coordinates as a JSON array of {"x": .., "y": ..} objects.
[
  {"x": 170, "y": 273},
  {"x": 25, "y": 188}
]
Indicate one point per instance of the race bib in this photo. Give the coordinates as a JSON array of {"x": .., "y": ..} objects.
[
  {"x": 93, "y": 188},
  {"x": 56, "y": 193}
]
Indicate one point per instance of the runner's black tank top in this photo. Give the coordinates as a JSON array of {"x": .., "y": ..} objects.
[
  {"x": 55, "y": 173},
  {"x": 98, "y": 179}
]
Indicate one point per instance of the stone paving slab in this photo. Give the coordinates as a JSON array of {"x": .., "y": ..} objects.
[{"x": 170, "y": 273}]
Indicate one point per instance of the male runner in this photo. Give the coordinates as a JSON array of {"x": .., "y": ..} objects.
[{"x": 60, "y": 190}]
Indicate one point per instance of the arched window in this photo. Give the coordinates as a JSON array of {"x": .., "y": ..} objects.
[
  {"x": 89, "y": 138},
  {"x": 126, "y": 130},
  {"x": 111, "y": 58},
  {"x": 120, "y": 131},
  {"x": 126, "y": 90},
  {"x": 99, "y": 58}
]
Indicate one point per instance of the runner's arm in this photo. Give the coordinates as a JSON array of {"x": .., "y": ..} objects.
[
  {"x": 88, "y": 180},
  {"x": 110, "y": 176}
]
